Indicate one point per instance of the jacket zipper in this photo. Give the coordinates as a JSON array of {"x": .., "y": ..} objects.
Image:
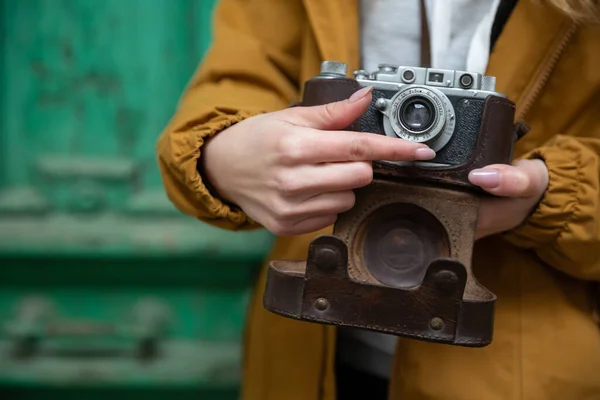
[{"x": 533, "y": 90}]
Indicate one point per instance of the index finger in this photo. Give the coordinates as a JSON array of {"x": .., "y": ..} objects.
[{"x": 336, "y": 146}]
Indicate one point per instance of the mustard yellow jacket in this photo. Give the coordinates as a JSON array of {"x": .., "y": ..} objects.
[{"x": 546, "y": 341}]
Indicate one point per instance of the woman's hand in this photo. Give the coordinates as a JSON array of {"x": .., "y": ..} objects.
[
  {"x": 293, "y": 171},
  {"x": 520, "y": 187}
]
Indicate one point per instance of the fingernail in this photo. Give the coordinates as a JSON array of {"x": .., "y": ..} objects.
[
  {"x": 424, "y": 153},
  {"x": 359, "y": 94},
  {"x": 488, "y": 178}
]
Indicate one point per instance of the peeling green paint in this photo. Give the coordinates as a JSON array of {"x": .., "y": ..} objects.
[{"x": 85, "y": 226}]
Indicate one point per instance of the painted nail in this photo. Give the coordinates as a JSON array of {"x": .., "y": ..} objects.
[
  {"x": 424, "y": 153},
  {"x": 488, "y": 178},
  {"x": 359, "y": 94}
]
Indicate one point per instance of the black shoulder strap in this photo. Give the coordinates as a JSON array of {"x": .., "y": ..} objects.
[
  {"x": 505, "y": 9},
  {"x": 425, "y": 40}
]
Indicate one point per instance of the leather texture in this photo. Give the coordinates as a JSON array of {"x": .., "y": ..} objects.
[
  {"x": 331, "y": 297},
  {"x": 468, "y": 126},
  {"x": 396, "y": 234},
  {"x": 329, "y": 90}
]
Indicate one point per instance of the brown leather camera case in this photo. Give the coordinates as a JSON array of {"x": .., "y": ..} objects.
[{"x": 399, "y": 261}]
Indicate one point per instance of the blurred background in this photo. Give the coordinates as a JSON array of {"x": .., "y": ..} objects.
[{"x": 105, "y": 288}]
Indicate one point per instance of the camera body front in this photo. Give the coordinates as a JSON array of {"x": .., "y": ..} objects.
[
  {"x": 458, "y": 114},
  {"x": 440, "y": 108}
]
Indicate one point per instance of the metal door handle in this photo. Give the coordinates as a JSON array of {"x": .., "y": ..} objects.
[{"x": 36, "y": 320}]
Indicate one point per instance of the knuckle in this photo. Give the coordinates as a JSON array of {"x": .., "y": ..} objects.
[
  {"x": 402, "y": 150},
  {"x": 280, "y": 229},
  {"x": 515, "y": 183},
  {"x": 287, "y": 184},
  {"x": 525, "y": 182},
  {"x": 283, "y": 211},
  {"x": 289, "y": 148},
  {"x": 329, "y": 111},
  {"x": 279, "y": 221},
  {"x": 358, "y": 147}
]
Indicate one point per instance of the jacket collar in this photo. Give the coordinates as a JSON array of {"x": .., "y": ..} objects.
[
  {"x": 542, "y": 34},
  {"x": 335, "y": 24}
]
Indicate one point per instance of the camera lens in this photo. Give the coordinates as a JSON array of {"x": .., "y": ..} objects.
[{"x": 417, "y": 114}]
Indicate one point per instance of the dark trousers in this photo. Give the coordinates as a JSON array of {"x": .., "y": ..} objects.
[{"x": 353, "y": 384}]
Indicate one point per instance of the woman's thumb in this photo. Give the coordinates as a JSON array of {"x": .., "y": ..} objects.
[{"x": 333, "y": 116}]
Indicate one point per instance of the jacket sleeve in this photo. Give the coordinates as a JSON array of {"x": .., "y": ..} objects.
[
  {"x": 564, "y": 230},
  {"x": 251, "y": 68}
]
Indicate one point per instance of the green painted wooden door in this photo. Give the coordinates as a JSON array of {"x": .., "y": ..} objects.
[{"x": 104, "y": 286}]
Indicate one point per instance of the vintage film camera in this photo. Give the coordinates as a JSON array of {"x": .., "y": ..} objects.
[{"x": 399, "y": 261}]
